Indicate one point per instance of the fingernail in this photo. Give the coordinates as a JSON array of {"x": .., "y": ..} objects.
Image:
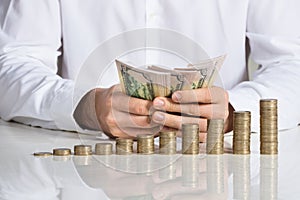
[
  {"x": 158, "y": 116},
  {"x": 158, "y": 103},
  {"x": 177, "y": 96}
]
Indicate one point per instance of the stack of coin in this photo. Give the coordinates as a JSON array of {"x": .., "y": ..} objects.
[
  {"x": 190, "y": 138},
  {"x": 82, "y": 150},
  {"x": 215, "y": 136},
  {"x": 124, "y": 146},
  {"x": 145, "y": 144},
  {"x": 268, "y": 126},
  {"x": 167, "y": 142},
  {"x": 103, "y": 149},
  {"x": 241, "y": 132},
  {"x": 61, "y": 152}
]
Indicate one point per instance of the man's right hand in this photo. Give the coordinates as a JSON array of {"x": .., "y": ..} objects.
[{"x": 115, "y": 113}]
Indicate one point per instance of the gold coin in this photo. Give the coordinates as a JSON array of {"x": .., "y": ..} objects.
[
  {"x": 124, "y": 146},
  {"x": 103, "y": 149},
  {"x": 61, "y": 152},
  {"x": 42, "y": 154},
  {"x": 82, "y": 150}
]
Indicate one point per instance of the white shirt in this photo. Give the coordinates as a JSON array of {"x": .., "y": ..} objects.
[{"x": 32, "y": 32}]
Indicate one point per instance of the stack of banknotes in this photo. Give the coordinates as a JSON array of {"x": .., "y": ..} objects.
[{"x": 153, "y": 81}]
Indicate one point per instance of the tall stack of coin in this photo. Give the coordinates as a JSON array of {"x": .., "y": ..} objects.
[
  {"x": 124, "y": 146},
  {"x": 103, "y": 149},
  {"x": 145, "y": 144},
  {"x": 268, "y": 126},
  {"x": 61, "y": 152},
  {"x": 241, "y": 132},
  {"x": 82, "y": 150},
  {"x": 167, "y": 142},
  {"x": 190, "y": 138},
  {"x": 215, "y": 136}
]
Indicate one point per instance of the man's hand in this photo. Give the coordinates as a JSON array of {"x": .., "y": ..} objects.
[
  {"x": 195, "y": 106},
  {"x": 115, "y": 113}
]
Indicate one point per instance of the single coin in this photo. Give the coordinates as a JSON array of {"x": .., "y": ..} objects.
[{"x": 42, "y": 154}]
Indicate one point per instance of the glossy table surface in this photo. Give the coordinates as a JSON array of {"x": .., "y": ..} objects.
[{"x": 228, "y": 176}]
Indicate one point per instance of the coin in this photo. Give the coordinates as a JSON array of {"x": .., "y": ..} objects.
[
  {"x": 241, "y": 132},
  {"x": 215, "y": 136},
  {"x": 42, "y": 154},
  {"x": 145, "y": 144},
  {"x": 268, "y": 126},
  {"x": 61, "y": 152},
  {"x": 103, "y": 149},
  {"x": 124, "y": 146},
  {"x": 82, "y": 150},
  {"x": 190, "y": 138},
  {"x": 167, "y": 142}
]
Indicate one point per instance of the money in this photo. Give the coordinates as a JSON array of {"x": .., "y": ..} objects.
[
  {"x": 61, "y": 152},
  {"x": 157, "y": 81},
  {"x": 268, "y": 126},
  {"x": 145, "y": 144},
  {"x": 215, "y": 136},
  {"x": 124, "y": 146},
  {"x": 103, "y": 149},
  {"x": 42, "y": 154},
  {"x": 190, "y": 138},
  {"x": 167, "y": 142},
  {"x": 241, "y": 132},
  {"x": 82, "y": 150}
]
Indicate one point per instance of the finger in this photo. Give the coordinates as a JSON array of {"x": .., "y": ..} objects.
[
  {"x": 132, "y": 105},
  {"x": 166, "y": 104},
  {"x": 201, "y": 95},
  {"x": 209, "y": 111},
  {"x": 175, "y": 121}
]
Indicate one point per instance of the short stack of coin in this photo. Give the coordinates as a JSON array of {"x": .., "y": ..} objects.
[
  {"x": 124, "y": 146},
  {"x": 190, "y": 138},
  {"x": 145, "y": 144},
  {"x": 268, "y": 126},
  {"x": 103, "y": 149},
  {"x": 215, "y": 136},
  {"x": 61, "y": 152},
  {"x": 82, "y": 150},
  {"x": 241, "y": 132},
  {"x": 167, "y": 142}
]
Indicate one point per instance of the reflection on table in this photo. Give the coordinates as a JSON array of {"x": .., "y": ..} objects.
[{"x": 227, "y": 176}]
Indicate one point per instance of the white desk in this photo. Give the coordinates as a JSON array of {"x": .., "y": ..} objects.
[{"x": 23, "y": 176}]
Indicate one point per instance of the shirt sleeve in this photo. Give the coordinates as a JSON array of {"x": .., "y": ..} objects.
[
  {"x": 31, "y": 92},
  {"x": 274, "y": 36}
]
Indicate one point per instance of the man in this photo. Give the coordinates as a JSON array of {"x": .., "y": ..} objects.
[{"x": 33, "y": 34}]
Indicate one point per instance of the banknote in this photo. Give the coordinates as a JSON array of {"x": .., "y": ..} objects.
[{"x": 153, "y": 81}]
